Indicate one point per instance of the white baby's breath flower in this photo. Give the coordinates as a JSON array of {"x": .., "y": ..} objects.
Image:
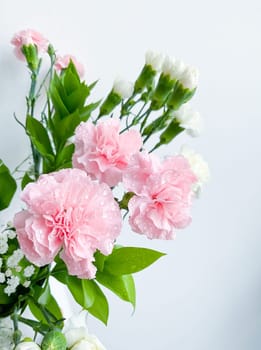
[
  {"x": 198, "y": 165},
  {"x": 26, "y": 284},
  {"x": 13, "y": 281},
  {"x": 154, "y": 59},
  {"x": 9, "y": 290},
  {"x": 11, "y": 234},
  {"x": 15, "y": 258},
  {"x": 123, "y": 88},
  {"x": 189, "y": 120},
  {"x": 3, "y": 243},
  {"x": 2, "y": 277},
  {"x": 29, "y": 271},
  {"x": 6, "y": 334},
  {"x": 189, "y": 78},
  {"x": 8, "y": 273},
  {"x": 173, "y": 67}
]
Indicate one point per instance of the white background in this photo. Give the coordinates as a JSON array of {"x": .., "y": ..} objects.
[{"x": 206, "y": 293}]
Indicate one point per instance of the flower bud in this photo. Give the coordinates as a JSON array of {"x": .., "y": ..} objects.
[
  {"x": 189, "y": 120},
  {"x": 171, "y": 71},
  {"x": 54, "y": 340},
  {"x": 179, "y": 96},
  {"x": 121, "y": 90},
  {"x": 31, "y": 55},
  {"x": 189, "y": 78},
  {"x": 146, "y": 78},
  {"x": 27, "y": 346}
]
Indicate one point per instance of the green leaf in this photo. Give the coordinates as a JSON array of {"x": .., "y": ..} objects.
[
  {"x": 86, "y": 111},
  {"x": 39, "y": 137},
  {"x": 26, "y": 180},
  {"x": 128, "y": 260},
  {"x": 7, "y": 186},
  {"x": 123, "y": 286},
  {"x": 65, "y": 156},
  {"x": 83, "y": 291},
  {"x": 100, "y": 307}
]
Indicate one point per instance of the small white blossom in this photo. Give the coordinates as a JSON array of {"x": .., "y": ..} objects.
[
  {"x": 123, "y": 88},
  {"x": 11, "y": 234},
  {"x": 154, "y": 59},
  {"x": 15, "y": 258},
  {"x": 198, "y": 165},
  {"x": 2, "y": 277},
  {"x": 3, "y": 243},
  {"x": 26, "y": 284},
  {"x": 18, "y": 268},
  {"x": 189, "y": 120},
  {"x": 8, "y": 273},
  {"x": 13, "y": 281},
  {"x": 189, "y": 78},
  {"x": 29, "y": 271},
  {"x": 172, "y": 67},
  {"x": 9, "y": 290}
]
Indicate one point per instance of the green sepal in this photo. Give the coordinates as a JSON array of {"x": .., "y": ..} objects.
[
  {"x": 145, "y": 79},
  {"x": 171, "y": 132},
  {"x": 179, "y": 96},
  {"x": 7, "y": 186},
  {"x": 163, "y": 89},
  {"x": 112, "y": 101}
]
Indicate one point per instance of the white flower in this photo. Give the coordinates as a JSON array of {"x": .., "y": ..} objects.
[
  {"x": 6, "y": 334},
  {"x": 154, "y": 59},
  {"x": 3, "y": 243},
  {"x": 29, "y": 271},
  {"x": 198, "y": 165},
  {"x": 123, "y": 88},
  {"x": 27, "y": 346},
  {"x": 11, "y": 234},
  {"x": 77, "y": 335},
  {"x": 2, "y": 277},
  {"x": 189, "y": 78},
  {"x": 189, "y": 120},
  {"x": 8, "y": 272},
  {"x": 26, "y": 284},
  {"x": 15, "y": 258},
  {"x": 88, "y": 343},
  {"x": 172, "y": 67}
]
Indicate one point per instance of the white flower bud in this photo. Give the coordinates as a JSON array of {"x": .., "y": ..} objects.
[
  {"x": 198, "y": 165},
  {"x": 27, "y": 346},
  {"x": 123, "y": 88},
  {"x": 77, "y": 335},
  {"x": 92, "y": 343},
  {"x": 29, "y": 271},
  {"x": 154, "y": 59},
  {"x": 189, "y": 78},
  {"x": 172, "y": 67},
  {"x": 189, "y": 120}
]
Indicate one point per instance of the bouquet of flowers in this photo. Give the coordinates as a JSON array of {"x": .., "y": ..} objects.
[{"x": 89, "y": 167}]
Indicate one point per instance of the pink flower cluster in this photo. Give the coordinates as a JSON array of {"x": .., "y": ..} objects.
[
  {"x": 62, "y": 62},
  {"x": 163, "y": 193},
  {"x": 29, "y": 37},
  {"x": 103, "y": 152},
  {"x": 69, "y": 213}
]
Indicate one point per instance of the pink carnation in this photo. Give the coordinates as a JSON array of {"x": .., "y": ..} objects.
[
  {"x": 163, "y": 197},
  {"x": 103, "y": 152},
  {"x": 68, "y": 212},
  {"x": 29, "y": 37},
  {"x": 62, "y": 62}
]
